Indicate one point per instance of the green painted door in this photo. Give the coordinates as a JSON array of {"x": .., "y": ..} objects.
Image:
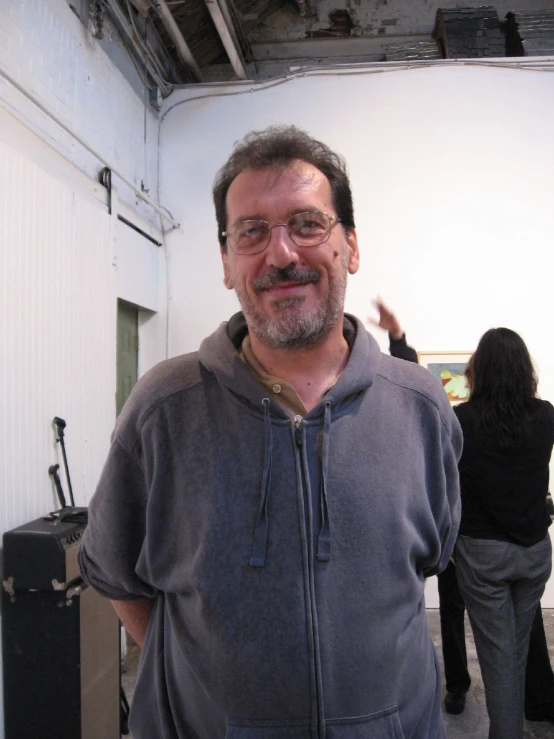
[{"x": 127, "y": 352}]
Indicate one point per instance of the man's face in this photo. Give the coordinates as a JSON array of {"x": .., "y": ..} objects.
[{"x": 291, "y": 296}]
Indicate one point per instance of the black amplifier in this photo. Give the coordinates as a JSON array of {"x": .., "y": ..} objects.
[
  {"x": 60, "y": 639},
  {"x": 42, "y": 554}
]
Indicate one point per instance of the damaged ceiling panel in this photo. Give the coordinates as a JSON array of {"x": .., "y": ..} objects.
[
  {"x": 221, "y": 40},
  {"x": 533, "y": 30},
  {"x": 467, "y": 33}
]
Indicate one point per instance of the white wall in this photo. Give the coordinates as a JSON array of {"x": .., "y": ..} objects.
[
  {"x": 60, "y": 247},
  {"x": 451, "y": 171},
  {"x": 49, "y": 52}
]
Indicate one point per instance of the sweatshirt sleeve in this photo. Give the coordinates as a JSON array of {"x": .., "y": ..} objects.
[
  {"x": 444, "y": 478},
  {"x": 115, "y": 532},
  {"x": 399, "y": 348}
]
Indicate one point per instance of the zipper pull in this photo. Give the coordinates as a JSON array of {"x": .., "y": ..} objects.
[{"x": 298, "y": 429}]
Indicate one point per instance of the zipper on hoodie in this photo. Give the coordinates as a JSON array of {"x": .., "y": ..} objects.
[
  {"x": 317, "y": 722},
  {"x": 298, "y": 430}
]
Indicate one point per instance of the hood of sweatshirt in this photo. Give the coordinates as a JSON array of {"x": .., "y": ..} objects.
[{"x": 219, "y": 353}]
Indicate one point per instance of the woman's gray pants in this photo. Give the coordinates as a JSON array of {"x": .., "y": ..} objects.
[{"x": 502, "y": 585}]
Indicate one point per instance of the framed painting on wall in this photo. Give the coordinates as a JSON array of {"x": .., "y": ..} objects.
[{"x": 448, "y": 368}]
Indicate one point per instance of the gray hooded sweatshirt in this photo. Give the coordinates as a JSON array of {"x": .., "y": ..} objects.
[{"x": 287, "y": 556}]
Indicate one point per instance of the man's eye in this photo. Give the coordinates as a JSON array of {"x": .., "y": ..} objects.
[
  {"x": 251, "y": 231},
  {"x": 308, "y": 225}
]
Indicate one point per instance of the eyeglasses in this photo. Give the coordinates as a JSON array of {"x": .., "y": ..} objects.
[{"x": 311, "y": 228}]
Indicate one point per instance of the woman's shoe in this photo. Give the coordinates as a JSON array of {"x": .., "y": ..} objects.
[
  {"x": 540, "y": 714},
  {"x": 455, "y": 702}
]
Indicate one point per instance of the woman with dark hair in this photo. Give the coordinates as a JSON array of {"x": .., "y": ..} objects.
[{"x": 503, "y": 554}]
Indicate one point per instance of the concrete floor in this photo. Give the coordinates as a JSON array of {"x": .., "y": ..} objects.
[{"x": 471, "y": 724}]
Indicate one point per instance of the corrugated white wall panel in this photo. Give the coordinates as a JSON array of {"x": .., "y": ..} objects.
[{"x": 57, "y": 337}]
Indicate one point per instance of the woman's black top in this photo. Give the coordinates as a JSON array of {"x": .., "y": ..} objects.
[{"x": 504, "y": 490}]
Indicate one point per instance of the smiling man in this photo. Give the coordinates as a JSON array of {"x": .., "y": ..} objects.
[{"x": 272, "y": 504}]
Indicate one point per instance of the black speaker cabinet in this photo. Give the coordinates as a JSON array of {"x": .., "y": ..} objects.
[{"x": 61, "y": 658}]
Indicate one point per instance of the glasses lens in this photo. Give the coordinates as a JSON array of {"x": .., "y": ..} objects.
[
  {"x": 310, "y": 228},
  {"x": 248, "y": 237}
]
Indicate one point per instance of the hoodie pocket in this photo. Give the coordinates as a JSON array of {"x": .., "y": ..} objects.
[
  {"x": 381, "y": 725},
  {"x": 244, "y": 729}
]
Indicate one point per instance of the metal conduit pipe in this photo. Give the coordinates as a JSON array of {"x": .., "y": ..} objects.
[
  {"x": 54, "y": 117},
  {"x": 226, "y": 13},
  {"x": 173, "y": 29},
  {"x": 232, "y": 51},
  {"x": 149, "y": 60}
]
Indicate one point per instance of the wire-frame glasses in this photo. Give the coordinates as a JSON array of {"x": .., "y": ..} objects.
[{"x": 310, "y": 228}]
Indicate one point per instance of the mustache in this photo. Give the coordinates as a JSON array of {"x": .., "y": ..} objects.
[{"x": 289, "y": 274}]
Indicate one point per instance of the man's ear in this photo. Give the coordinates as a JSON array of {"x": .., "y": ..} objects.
[
  {"x": 226, "y": 277},
  {"x": 353, "y": 251}
]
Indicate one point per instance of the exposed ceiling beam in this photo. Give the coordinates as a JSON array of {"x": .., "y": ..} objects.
[
  {"x": 224, "y": 7},
  {"x": 331, "y": 48},
  {"x": 173, "y": 30},
  {"x": 228, "y": 37}
]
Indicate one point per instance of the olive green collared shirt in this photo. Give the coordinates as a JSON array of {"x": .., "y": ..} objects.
[{"x": 282, "y": 391}]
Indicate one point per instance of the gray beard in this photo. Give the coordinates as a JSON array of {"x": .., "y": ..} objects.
[{"x": 289, "y": 327}]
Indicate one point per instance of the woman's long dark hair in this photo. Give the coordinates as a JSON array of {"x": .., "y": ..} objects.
[{"x": 503, "y": 383}]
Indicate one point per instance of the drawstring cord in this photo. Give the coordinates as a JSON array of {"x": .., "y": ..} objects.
[
  {"x": 262, "y": 522},
  {"x": 324, "y": 539},
  {"x": 261, "y": 529}
]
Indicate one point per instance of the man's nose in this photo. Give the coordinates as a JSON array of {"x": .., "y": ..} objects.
[{"x": 281, "y": 250}]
